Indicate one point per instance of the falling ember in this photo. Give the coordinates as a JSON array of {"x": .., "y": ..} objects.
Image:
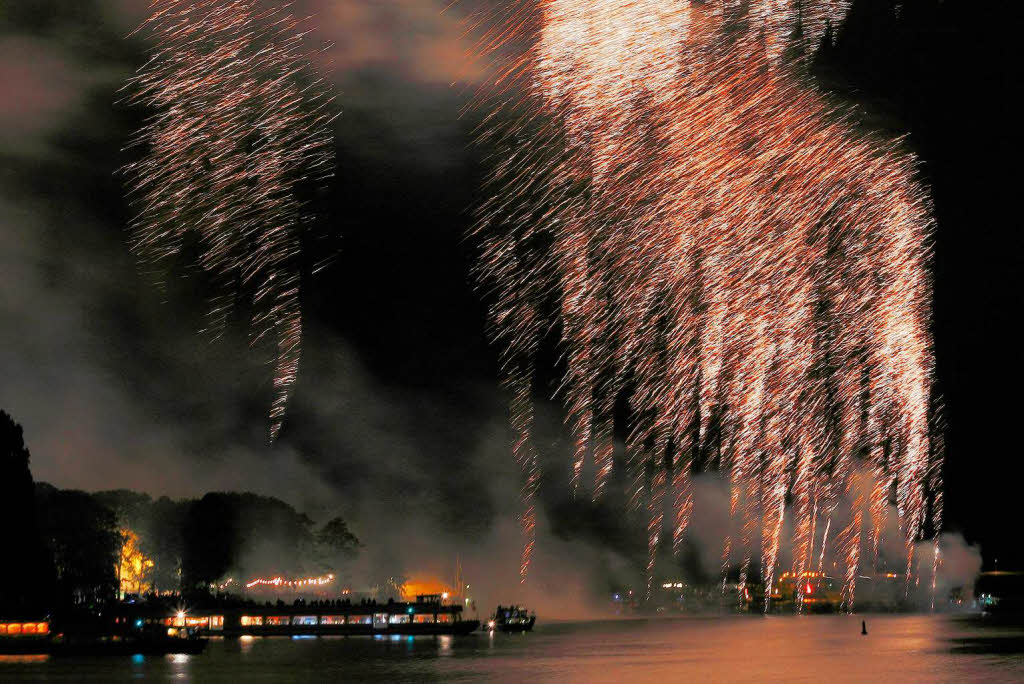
[
  {"x": 728, "y": 253},
  {"x": 523, "y": 450},
  {"x": 239, "y": 123}
]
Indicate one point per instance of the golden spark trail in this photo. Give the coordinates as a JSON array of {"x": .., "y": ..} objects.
[
  {"x": 239, "y": 121},
  {"x": 523, "y": 449}
]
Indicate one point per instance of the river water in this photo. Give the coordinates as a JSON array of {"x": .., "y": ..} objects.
[{"x": 898, "y": 648}]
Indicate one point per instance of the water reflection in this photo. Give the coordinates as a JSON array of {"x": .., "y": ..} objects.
[
  {"x": 22, "y": 660},
  {"x": 179, "y": 665}
]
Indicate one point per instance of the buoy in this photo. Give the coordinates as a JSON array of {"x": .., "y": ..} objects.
[{"x": 863, "y": 628}]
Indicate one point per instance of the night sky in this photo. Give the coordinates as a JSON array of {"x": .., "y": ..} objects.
[{"x": 397, "y": 405}]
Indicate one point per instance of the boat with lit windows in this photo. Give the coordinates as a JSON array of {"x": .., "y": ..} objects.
[
  {"x": 813, "y": 592},
  {"x": 96, "y": 638},
  {"x": 511, "y": 619},
  {"x": 429, "y": 614},
  {"x": 24, "y": 637}
]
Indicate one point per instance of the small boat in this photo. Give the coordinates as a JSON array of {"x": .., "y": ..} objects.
[{"x": 511, "y": 619}]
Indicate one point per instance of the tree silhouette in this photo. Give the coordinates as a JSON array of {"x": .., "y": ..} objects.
[
  {"x": 25, "y": 574},
  {"x": 336, "y": 539},
  {"x": 83, "y": 538}
]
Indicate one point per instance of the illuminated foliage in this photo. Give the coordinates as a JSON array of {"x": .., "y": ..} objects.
[{"x": 134, "y": 568}]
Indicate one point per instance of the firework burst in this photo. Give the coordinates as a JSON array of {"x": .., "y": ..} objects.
[
  {"x": 239, "y": 124},
  {"x": 727, "y": 252}
]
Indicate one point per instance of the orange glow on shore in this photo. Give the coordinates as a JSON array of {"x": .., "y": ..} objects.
[{"x": 421, "y": 586}]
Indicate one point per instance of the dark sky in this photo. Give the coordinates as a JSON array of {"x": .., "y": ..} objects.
[
  {"x": 943, "y": 78},
  {"x": 397, "y": 406}
]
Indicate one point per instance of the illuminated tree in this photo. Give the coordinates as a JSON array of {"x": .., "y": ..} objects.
[{"x": 134, "y": 568}]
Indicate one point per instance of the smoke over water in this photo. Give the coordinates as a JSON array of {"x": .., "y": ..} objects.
[{"x": 722, "y": 252}]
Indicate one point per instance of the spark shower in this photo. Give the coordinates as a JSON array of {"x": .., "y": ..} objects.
[
  {"x": 240, "y": 124},
  {"x": 722, "y": 248}
]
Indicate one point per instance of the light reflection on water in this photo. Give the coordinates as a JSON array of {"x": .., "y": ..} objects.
[
  {"x": 444, "y": 646},
  {"x": 22, "y": 659},
  {"x": 820, "y": 648}
]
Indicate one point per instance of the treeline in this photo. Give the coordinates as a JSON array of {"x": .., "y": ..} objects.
[
  {"x": 71, "y": 549},
  {"x": 194, "y": 543}
]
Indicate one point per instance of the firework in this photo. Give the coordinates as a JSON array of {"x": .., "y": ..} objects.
[
  {"x": 727, "y": 252},
  {"x": 239, "y": 124}
]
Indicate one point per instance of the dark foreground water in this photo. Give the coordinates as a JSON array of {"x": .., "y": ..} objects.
[{"x": 826, "y": 649}]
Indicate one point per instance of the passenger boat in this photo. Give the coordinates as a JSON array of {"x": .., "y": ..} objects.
[
  {"x": 428, "y": 614},
  {"x": 155, "y": 628},
  {"x": 511, "y": 619}
]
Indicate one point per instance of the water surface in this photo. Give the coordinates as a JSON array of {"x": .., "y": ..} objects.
[{"x": 744, "y": 648}]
